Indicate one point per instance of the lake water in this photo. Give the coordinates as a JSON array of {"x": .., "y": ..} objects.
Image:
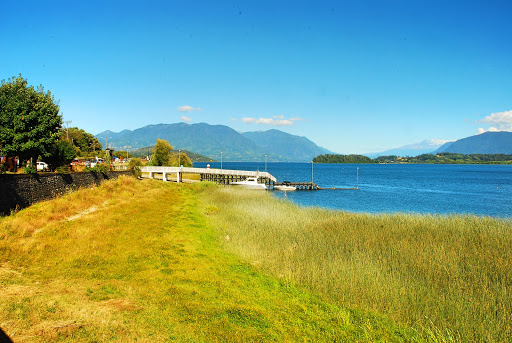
[{"x": 414, "y": 188}]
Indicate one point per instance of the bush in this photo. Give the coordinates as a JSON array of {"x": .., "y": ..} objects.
[
  {"x": 134, "y": 165},
  {"x": 99, "y": 168},
  {"x": 30, "y": 169}
]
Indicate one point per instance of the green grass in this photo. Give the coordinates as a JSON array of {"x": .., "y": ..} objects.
[
  {"x": 146, "y": 261},
  {"x": 448, "y": 277}
]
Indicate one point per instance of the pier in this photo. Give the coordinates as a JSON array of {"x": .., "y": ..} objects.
[
  {"x": 226, "y": 176},
  {"x": 222, "y": 176}
]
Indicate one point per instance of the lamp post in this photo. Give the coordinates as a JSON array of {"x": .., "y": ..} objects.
[
  {"x": 357, "y": 178},
  {"x": 265, "y": 163},
  {"x": 221, "y": 160},
  {"x": 312, "y": 171},
  {"x": 179, "y": 157}
]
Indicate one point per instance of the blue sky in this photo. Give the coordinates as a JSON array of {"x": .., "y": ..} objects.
[{"x": 353, "y": 76}]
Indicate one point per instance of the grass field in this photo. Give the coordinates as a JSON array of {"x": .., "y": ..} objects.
[
  {"x": 148, "y": 261},
  {"x": 448, "y": 277}
]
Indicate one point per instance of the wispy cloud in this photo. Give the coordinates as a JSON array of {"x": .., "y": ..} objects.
[
  {"x": 501, "y": 121},
  {"x": 274, "y": 121},
  {"x": 187, "y": 108},
  {"x": 185, "y": 119}
]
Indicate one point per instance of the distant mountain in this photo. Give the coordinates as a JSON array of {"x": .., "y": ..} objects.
[
  {"x": 194, "y": 157},
  {"x": 485, "y": 143},
  {"x": 412, "y": 150},
  {"x": 211, "y": 140},
  {"x": 110, "y": 135},
  {"x": 285, "y": 146}
]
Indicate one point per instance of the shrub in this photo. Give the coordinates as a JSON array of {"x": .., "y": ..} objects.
[
  {"x": 99, "y": 168},
  {"x": 134, "y": 165},
  {"x": 30, "y": 169}
]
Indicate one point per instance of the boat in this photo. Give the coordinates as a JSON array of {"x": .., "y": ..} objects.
[
  {"x": 285, "y": 188},
  {"x": 250, "y": 183}
]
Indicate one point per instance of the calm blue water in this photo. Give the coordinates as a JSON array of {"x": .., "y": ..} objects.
[{"x": 415, "y": 188}]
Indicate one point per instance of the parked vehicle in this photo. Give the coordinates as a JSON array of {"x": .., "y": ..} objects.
[{"x": 41, "y": 166}]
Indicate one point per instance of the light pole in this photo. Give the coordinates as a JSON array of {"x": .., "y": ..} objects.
[
  {"x": 221, "y": 160},
  {"x": 357, "y": 178},
  {"x": 265, "y": 163},
  {"x": 179, "y": 157},
  {"x": 312, "y": 171}
]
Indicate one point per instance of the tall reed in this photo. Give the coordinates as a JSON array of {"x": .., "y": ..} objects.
[{"x": 450, "y": 273}]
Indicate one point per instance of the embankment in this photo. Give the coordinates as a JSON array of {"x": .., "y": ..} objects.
[{"x": 22, "y": 190}]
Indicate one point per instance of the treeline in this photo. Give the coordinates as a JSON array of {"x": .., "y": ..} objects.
[
  {"x": 331, "y": 158},
  {"x": 441, "y": 158}
]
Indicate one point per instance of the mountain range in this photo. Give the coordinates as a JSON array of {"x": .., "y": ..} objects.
[
  {"x": 211, "y": 140},
  {"x": 485, "y": 143},
  {"x": 424, "y": 147}
]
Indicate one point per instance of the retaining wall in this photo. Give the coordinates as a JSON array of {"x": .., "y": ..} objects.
[{"x": 20, "y": 190}]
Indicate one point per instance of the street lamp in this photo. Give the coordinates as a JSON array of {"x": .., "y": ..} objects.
[
  {"x": 221, "y": 160},
  {"x": 265, "y": 163},
  {"x": 179, "y": 157},
  {"x": 312, "y": 171}
]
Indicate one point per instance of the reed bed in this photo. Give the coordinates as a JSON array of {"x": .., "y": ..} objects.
[{"x": 449, "y": 277}]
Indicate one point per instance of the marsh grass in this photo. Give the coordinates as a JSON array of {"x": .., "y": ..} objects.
[
  {"x": 449, "y": 277},
  {"x": 136, "y": 261}
]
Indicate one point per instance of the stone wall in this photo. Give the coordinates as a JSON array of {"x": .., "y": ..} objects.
[{"x": 20, "y": 190}]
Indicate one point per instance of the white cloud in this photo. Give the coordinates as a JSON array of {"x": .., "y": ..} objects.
[
  {"x": 275, "y": 121},
  {"x": 187, "y": 108},
  {"x": 491, "y": 129},
  {"x": 185, "y": 119},
  {"x": 502, "y": 121}
]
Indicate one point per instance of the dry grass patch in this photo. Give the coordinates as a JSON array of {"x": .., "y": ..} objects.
[{"x": 145, "y": 266}]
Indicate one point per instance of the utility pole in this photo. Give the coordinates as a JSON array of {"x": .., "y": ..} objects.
[
  {"x": 106, "y": 141},
  {"x": 67, "y": 128}
]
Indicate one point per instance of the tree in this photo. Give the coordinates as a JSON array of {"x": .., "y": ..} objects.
[
  {"x": 62, "y": 153},
  {"x": 161, "y": 153},
  {"x": 84, "y": 141},
  {"x": 29, "y": 120},
  {"x": 182, "y": 159}
]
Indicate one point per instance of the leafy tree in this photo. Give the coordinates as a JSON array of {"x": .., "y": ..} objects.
[
  {"x": 29, "y": 120},
  {"x": 62, "y": 153},
  {"x": 84, "y": 141},
  {"x": 178, "y": 159},
  {"x": 161, "y": 153}
]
